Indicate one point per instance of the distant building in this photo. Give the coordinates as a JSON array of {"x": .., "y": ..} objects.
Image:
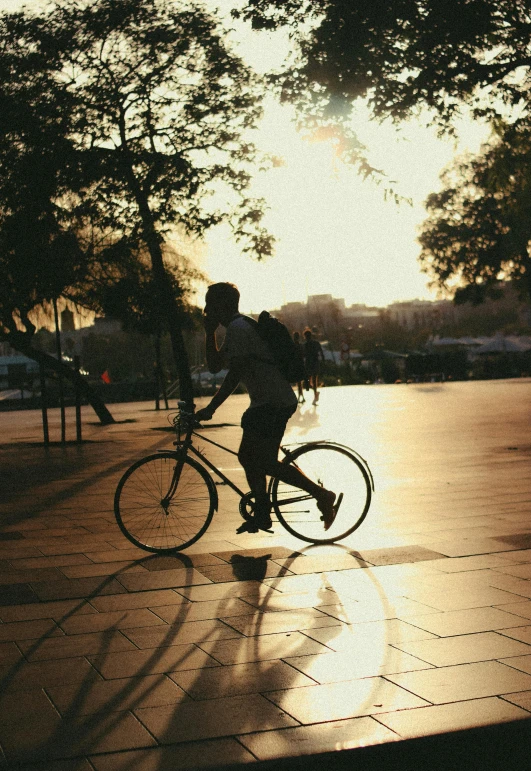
[{"x": 421, "y": 314}]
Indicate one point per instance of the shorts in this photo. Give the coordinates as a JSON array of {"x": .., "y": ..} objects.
[
  {"x": 312, "y": 368},
  {"x": 268, "y": 420}
]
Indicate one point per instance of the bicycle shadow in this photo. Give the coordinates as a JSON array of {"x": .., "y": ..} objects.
[{"x": 101, "y": 705}]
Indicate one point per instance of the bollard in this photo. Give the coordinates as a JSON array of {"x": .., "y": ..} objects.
[
  {"x": 79, "y": 437},
  {"x": 44, "y": 404}
]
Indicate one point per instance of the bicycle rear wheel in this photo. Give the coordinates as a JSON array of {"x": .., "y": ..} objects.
[
  {"x": 336, "y": 468},
  {"x": 153, "y": 522}
]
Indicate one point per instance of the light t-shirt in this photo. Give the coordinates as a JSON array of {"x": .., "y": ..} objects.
[{"x": 261, "y": 377}]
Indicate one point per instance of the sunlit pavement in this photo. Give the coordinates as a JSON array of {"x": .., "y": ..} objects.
[{"x": 418, "y": 623}]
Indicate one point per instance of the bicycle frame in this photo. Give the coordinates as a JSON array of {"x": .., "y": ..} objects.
[{"x": 186, "y": 446}]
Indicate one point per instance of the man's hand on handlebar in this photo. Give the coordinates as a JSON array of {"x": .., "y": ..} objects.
[{"x": 204, "y": 414}]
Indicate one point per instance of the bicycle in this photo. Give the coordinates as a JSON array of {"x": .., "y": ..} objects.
[{"x": 166, "y": 501}]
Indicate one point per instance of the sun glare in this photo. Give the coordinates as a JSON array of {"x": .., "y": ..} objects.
[{"x": 336, "y": 234}]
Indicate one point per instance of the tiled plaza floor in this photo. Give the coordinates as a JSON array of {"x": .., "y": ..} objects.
[{"x": 420, "y": 622}]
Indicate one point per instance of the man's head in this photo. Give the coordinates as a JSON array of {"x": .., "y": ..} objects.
[
  {"x": 308, "y": 334},
  {"x": 221, "y": 302},
  {"x": 296, "y": 337}
]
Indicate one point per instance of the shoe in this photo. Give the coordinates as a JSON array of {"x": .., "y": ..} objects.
[
  {"x": 329, "y": 516},
  {"x": 254, "y": 525}
]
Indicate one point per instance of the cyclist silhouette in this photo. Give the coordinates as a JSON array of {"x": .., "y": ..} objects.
[
  {"x": 312, "y": 353},
  {"x": 272, "y": 403}
]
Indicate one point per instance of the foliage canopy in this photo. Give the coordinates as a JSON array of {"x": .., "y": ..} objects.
[
  {"x": 479, "y": 226},
  {"x": 405, "y": 54},
  {"x": 140, "y": 116}
]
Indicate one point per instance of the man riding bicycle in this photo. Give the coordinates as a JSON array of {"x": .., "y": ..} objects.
[{"x": 272, "y": 402}]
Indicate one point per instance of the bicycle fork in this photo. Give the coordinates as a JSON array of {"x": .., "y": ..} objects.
[{"x": 166, "y": 500}]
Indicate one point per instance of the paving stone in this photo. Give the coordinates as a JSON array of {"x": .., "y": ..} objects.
[
  {"x": 168, "y": 563},
  {"x": 438, "y": 719},
  {"x": 14, "y": 594},
  {"x": 27, "y": 576},
  {"x": 76, "y": 645},
  {"x": 314, "y": 739},
  {"x": 77, "y": 587},
  {"x": 177, "y": 634},
  {"x": 354, "y": 664},
  {"x": 116, "y": 695},
  {"x": 463, "y": 682},
  {"x": 102, "y": 569},
  {"x": 149, "y": 599},
  {"x": 284, "y": 602},
  {"x": 465, "y": 621},
  {"x": 117, "y": 555},
  {"x": 464, "y": 649},
  {"x": 257, "y": 677},
  {"x": 149, "y": 662},
  {"x": 13, "y": 709},
  {"x": 479, "y": 562},
  {"x": 522, "y": 700},
  {"x": 202, "y": 611},
  {"x": 282, "y": 621},
  {"x": 226, "y": 591},
  {"x": 459, "y": 600},
  {"x": 73, "y": 764},
  {"x": 399, "y": 554},
  {"x": 520, "y": 540},
  {"x": 517, "y": 586},
  {"x": 522, "y": 609},
  {"x": 19, "y": 550},
  {"x": 522, "y": 663},
  {"x": 359, "y": 612},
  {"x": 210, "y": 719},
  {"x": 337, "y": 701},
  {"x": 243, "y": 569},
  {"x": 261, "y": 648},
  {"x": 273, "y": 553},
  {"x": 464, "y": 548},
  {"x": 518, "y": 571},
  {"x": 56, "y": 610},
  {"x": 28, "y": 630},
  {"x": 162, "y": 579},
  {"x": 522, "y": 633},
  {"x": 42, "y": 674},
  {"x": 214, "y": 752},
  {"x": 56, "y": 738},
  {"x": 322, "y": 563},
  {"x": 9, "y": 653},
  {"x": 118, "y": 619}
]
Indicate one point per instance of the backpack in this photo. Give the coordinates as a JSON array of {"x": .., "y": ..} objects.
[{"x": 286, "y": 354}]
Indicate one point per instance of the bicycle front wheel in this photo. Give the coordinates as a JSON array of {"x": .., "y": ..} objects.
[
  {"x": 336, "y": 468},
  {"x": 153, "y": 517}
]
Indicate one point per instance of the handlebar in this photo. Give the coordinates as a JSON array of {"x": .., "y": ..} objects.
[{"x": 187, "y": 408}]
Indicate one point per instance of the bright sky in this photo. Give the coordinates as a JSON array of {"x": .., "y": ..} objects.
[{"x": 335, "y": 233}]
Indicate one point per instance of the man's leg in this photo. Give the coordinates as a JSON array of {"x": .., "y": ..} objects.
[
  {"x": 256, "y": 454},
  {"x": 315, "y": 383}
]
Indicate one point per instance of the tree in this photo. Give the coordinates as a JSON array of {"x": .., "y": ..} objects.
[
  {"x": 437, "y": 55},
  {"x": 478, "y": 231},
  {"x": 158, "y": 120},
  {"x": 41, "y": 255},
  {"x": 404, "y": 55}
]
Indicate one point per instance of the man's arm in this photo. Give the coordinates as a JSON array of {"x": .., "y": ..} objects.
[
  {"x": 214, "y": 356},
  {"x": 230, "y": 381}
]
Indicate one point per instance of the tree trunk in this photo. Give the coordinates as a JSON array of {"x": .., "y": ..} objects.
[
  {"x": 95, "y": 401},
  {"x": 165, "y": 294}
]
